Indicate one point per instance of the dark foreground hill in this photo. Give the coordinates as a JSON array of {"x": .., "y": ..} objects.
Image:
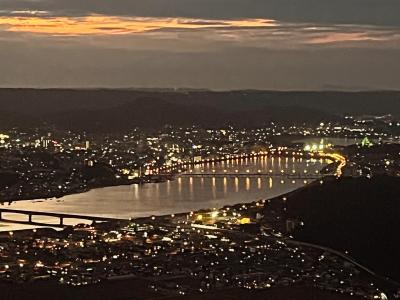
[
  {"x": 135, "y": 289},
  {"x": 359, "y": 215}
]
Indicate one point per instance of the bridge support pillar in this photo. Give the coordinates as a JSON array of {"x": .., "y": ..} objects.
[
  {"x": 61, "y": 221},
  {"x": 30, "y": 218}
]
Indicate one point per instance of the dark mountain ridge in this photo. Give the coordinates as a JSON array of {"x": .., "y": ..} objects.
[{"x": 121, "y": 109}]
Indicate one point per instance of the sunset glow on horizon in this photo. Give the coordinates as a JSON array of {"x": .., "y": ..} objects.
[
  {"x": 264, "y": 44},
  {"x": 101, "y": 24}
]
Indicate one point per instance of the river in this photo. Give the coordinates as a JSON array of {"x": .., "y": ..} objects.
[{"x": 180, "y": 195}]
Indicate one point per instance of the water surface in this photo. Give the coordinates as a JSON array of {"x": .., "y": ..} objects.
[{"x": 180, "y": 195}]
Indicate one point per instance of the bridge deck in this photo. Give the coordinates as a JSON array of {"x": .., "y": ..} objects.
[
  {"x": 57, "y": 225},
  {"x": 290, "y": 176},
  {"x": 57, "y": 215},
  {"x": 60, "y": 216}
]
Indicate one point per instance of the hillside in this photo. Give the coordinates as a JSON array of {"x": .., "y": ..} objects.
[
  {"x": 45, "y": 101},
  {"x": 359, "y": 215},
  {"x": 122, "y": 110}
]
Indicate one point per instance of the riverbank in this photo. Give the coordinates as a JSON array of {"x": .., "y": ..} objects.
[
  {"x": 89, "y": 187},
  {"x": 159, "y": 176},
  {"x": 180, "y": 195}
]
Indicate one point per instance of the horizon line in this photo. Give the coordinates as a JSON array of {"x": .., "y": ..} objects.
[{"x": 190, "y": 89}]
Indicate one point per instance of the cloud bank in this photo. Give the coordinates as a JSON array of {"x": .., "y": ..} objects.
[{"x": 220, "y": 44}]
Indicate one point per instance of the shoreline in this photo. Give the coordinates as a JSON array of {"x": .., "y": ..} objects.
[
  {"x": 161, "y": 178},
  {"x": 166, "y": 215},
  {"x": 82, "y": 190},
  {"x": 171, "y": 172}
]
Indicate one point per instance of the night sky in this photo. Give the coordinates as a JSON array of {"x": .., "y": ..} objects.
[{"x": 218, "y": 44}]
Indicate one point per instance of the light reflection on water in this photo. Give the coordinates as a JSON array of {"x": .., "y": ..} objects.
[{"x": 181, "y": 195}]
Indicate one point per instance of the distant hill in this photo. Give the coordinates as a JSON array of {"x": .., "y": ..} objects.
[
  {"x": 143, "y": 112},
  {"x": 356, "y": 214},
  {"x": 154, "y": 112},
  {"x": 106, "y": 109},
  {"x": 9, "y": 119}
]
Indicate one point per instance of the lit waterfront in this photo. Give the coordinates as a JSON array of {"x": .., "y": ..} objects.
[{"x": 183, "y": 194}]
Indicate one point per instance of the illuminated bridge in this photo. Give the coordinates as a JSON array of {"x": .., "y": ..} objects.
[
  {"x": 59, "y": 218},
  {"x": 256, "y": 174}
]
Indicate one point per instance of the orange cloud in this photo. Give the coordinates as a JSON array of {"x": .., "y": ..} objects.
[
  {"x": 99, "y": 24},
  {"x": 338, "y": 37}
]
